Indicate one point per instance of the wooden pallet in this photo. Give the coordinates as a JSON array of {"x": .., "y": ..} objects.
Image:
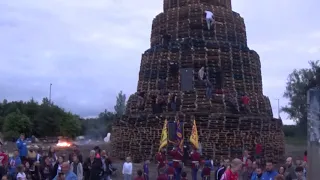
[{"x": 224, "y": 128}]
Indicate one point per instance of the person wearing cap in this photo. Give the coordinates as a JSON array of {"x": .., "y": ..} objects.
[{"x": 195, "y": 160}]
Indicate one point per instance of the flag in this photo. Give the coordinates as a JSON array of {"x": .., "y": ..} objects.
[
  {"x": 194, "y": 138},
  {"x": 164, "y": 135},
  {"x": 179, "y": 138}
]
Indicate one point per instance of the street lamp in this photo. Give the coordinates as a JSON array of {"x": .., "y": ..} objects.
[
  {"x": 50, "y": 93},
  {"x": 278, "y": 108}
]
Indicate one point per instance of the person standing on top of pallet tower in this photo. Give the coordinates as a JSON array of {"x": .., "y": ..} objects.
[{"x": 209, "y": 19}]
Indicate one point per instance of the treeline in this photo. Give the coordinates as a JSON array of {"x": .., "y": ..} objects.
[
  {"x": 46, "y": 119},
  {"x": 298, "y": 84}
]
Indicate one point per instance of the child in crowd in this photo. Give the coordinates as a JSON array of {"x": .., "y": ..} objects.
[
  {"x": 21, "y": 175},
  {"x": 139, "y": 175},
  {"x": 127, "y": 169},
  {"x": 146, "y": 169},
  {"x": 184, "y": 176}
]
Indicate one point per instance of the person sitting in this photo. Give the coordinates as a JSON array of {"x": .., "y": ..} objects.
[{"x": 209, "y": 18}]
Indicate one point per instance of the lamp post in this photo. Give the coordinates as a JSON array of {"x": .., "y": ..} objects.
[
  {"x": 50, "y": 92},
  {"x": 278, "y": 108}
]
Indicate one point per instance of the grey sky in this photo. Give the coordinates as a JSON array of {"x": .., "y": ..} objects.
[{"x": 90, "y": 50}]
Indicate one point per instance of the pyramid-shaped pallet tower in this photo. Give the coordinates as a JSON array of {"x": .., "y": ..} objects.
[{"x": 175, "y": 66}]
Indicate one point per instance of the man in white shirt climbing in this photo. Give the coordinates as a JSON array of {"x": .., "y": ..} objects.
[{"x": 209, "y": 18}]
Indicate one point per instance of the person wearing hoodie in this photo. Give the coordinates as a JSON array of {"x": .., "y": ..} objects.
[
  {"x": 22, "y": 147},
  {"x": 14, "y": 162},
  {"x": 270, "y": 173}
]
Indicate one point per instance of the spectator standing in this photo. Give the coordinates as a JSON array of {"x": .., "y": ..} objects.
[
  {"x": 257, "y": 175},
  {"x": 15, "y": 161},
  {"x": 46, "y": 170},
  {"x": 66, "y": 173},
  {"x": 290, "y": 172},
  {"x": 270, "y": 173},
  {"x": 127, "y": 169},
  {"x": 146, "y": 169},
  {"x": 22, "y": 147},
  {"x": 3, "y": 161},
  {"x": 76, "y": 167},
  {"x": 52, "y": 155},
  {"x": 139, "y": 175},
  {"x": 232, "y": 172},
  {"x": 21, "y": 175}
]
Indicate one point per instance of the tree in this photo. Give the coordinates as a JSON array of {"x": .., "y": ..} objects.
[
  {"x": 299, "y": 82},
  {"x": 70, "y": 125},
  {"x": 120, "y": 106},
  {"x": 16, "y": 123}
]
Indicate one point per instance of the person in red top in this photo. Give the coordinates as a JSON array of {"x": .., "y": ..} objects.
[
  {"x": 177, "y": 161},
  {"x": 258, "y": 151},
  {"x": 139, "y": 175},
  {"x": 305, "y": 157},
  {"x": 206, "y": 172},
  {"x": 171, "y": 171},
  {"x": 3, "y": 161},
  {"x": 161, "y": 159},
  {"x": 162, "y": 175},
  {"x": 232, "y": 172},
  {"x": 245, "y": 102},
  {"x": 195, "y": 160}
]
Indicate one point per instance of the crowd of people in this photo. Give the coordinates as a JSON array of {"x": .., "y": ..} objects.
[
  {"x": 34, "y": 163},
  {"x": 246, "y": 168}
]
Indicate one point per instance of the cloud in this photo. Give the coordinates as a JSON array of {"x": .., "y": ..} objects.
[{"x": 90, "y": 50}]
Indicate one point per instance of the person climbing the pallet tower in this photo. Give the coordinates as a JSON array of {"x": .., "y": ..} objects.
[
  {"x": 209, "y": 88},
  {"x": 165, "y": 38},
  {"x": 209, "y": 18},
  {"x": 201, "y": 74},
  {"x": 245, "y": 103}
]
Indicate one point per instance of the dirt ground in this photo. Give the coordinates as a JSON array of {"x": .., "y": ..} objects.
[{"x": 295, "y": 149}]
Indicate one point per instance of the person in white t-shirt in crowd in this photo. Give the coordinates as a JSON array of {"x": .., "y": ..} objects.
[
  {"x": 127, "y": 169},
  {"x": 21, "y": 175},
  {"x": 209, "y": 18}
]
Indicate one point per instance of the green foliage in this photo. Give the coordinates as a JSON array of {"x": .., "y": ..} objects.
[
  {"x": 120, "y": 106},
  {"x": 16, "y": 123},
  {"x": 299, "y": 82},
  {"x": 46, "y": 119},
  {"x": 32, "y": 118}
]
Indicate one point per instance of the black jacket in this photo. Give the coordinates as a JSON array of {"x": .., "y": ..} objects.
[{"x": 92, "y": 169}]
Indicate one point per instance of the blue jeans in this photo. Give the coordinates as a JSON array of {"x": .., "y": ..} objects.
[
  {"x": 178, "y": 173},
  {"x": 194, "y": 173},
  {"x": 127, "y": 177}
]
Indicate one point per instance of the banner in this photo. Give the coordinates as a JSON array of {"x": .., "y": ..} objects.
[
  {"x": 194, "y": 138},
  {"x": 179, "y": 139},
  {"x": 164, "y": 135}
]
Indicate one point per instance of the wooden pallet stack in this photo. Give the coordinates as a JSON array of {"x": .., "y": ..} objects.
[{"x": 224, "y": 132}]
